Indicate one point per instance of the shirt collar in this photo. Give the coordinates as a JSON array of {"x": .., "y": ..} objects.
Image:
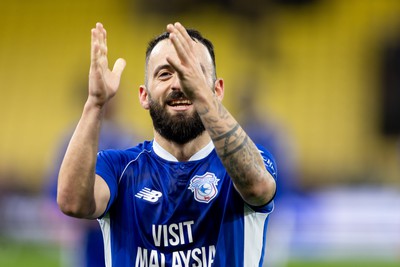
[{"x": 201, "y": 154}]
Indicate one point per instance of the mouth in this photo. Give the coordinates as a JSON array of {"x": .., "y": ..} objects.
[{"x": 179, "y": 103}]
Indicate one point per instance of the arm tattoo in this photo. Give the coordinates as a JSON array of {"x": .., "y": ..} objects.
[
  {"x": 228, "y": 153},
  {"x": 227, "y": 135},
  {"x": 238, "y": 153}
]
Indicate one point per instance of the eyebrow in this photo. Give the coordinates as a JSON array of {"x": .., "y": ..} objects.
[{"x": 169, "y": 67}]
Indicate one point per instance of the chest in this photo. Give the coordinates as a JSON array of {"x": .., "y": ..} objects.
[{"x": 161, "y": 192}]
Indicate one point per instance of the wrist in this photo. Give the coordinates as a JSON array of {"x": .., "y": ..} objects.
[
  {"x": 93, "y": 107},
  {"x": 95, "y": 102},
  {"x": 205, "y": 102}
]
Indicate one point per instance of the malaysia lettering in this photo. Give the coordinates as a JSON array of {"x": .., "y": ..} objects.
[{"x": 197, "y": 257}]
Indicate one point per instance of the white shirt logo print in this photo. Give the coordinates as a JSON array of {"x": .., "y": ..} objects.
[{"x": 149, "y": 195}]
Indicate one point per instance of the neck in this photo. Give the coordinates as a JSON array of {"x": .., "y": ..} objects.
[{"x": 183, "y": 152}]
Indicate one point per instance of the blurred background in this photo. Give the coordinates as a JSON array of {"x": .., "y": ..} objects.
[{"x": 315, "y": 81}]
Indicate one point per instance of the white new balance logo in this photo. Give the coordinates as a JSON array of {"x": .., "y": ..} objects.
[{"x": 149, "y": 195}]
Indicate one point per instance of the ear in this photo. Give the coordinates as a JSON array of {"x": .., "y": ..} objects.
[
  {"x": 219, "y": 89},
  {"x": 144, "y": 97}
]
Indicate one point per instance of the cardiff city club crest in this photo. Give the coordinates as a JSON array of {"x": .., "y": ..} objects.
[{"x": 204, "y": 187}]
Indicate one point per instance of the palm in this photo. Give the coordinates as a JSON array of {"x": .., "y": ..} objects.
[{"x": 103, "y": 83}]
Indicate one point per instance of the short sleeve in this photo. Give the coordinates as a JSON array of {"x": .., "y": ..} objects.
[
  {"x": 270, "y": 165},
  {"x": 107, "y": 167},
  {"x": 269, "y": 162}
]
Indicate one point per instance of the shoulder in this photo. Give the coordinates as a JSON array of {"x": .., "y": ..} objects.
[{"x": 126, "y": 155}]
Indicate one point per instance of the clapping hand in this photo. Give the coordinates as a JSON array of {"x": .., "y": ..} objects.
[{"x": 103, "y": 83}]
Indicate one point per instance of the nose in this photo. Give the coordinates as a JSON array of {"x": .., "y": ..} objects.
[{"x": 176, "y": 84}]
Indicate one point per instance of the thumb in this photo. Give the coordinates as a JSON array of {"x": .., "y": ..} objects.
[{"x": 119, "y": 66}]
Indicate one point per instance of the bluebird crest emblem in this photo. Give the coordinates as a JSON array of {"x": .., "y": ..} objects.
[{"x": 204, "y": 187}]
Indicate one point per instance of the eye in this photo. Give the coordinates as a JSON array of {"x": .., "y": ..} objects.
[{"x": 164, "y": 74}]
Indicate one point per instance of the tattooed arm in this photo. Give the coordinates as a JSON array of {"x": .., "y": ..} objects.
[{"x": 238, "y": 153}]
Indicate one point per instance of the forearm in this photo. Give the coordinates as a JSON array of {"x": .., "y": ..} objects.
[
  {"x": 75, "y": 193},
  {"x": 238, "y": 153}
]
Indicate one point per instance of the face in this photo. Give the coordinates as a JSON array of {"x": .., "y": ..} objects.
[{"x": 173, "y": 115}]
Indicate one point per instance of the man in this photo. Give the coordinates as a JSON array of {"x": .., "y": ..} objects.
[{"x": 199, "y": 193}]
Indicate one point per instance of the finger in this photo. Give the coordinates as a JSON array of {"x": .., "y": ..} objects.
[
  {"x": 105, "y": 37},
  {"x": 119, "y": 66},
  {"x": 102, "y": 34},
  {"x": 95, "y": 46},
  {"x": 183, "y": 32},
  {"x": 179, "y": 47},
  {"x": 175, "y": 65},
  {"x": 180, "y": 33}
]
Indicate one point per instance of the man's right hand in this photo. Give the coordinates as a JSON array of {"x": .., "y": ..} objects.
[{"x": 103, "y": 83}]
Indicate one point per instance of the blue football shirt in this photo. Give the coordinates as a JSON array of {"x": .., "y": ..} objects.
[{"x": 168, "y": 213}]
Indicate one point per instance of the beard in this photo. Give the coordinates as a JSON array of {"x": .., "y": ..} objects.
[{"x": 180, "y": 128}]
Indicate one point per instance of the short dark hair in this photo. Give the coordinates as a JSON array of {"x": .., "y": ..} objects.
[{"x": 195, "y": 35}]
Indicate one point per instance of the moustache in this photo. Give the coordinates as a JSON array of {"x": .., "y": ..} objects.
[{"x": 174, "y": 95}]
